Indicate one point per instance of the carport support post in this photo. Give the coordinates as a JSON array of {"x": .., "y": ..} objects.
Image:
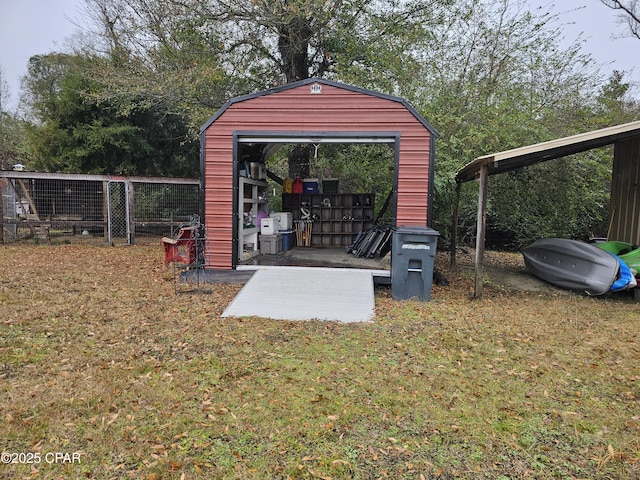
[
  {"x": 481, "y": 230},
  {"x": 454, "y": 226}
]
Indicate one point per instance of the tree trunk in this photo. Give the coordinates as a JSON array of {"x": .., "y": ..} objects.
[
  {"x": 299, "y": 161},
  {"x": 293, "y": 44}
]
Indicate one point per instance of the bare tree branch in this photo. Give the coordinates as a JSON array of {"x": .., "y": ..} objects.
[{"x": 629, "y": 14}]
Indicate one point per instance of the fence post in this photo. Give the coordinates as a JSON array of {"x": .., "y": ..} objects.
[
  {"x": 105, "y": 208},
  {"x": 131, "y": 216}
]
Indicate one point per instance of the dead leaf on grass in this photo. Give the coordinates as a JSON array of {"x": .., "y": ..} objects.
[{"x": 318, "y": 475}]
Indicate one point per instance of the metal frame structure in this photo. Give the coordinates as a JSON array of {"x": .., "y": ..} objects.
[
  {"x": 76, "y": 203},
  {"x": 627, "y": 135}
]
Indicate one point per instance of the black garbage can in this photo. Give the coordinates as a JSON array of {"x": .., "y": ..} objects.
[{"x": 413, "y": 252}]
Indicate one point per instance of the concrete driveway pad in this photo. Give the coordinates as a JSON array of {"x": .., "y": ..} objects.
[{"x": 307, "y": 293}]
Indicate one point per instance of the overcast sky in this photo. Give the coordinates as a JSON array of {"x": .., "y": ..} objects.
[{"x": 31, "y": 27}]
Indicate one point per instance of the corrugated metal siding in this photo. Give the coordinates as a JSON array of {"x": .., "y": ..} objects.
[
  {"x": 297, "y": 110},
  {"x": 625, "y": 194},
  {"x": 218, "y": 202}
]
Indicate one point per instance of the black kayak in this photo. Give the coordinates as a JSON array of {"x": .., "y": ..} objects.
[{"x": 572, "y": 264}]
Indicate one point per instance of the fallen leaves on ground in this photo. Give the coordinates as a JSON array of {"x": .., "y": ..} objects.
[{"x": 99, "y": 356}]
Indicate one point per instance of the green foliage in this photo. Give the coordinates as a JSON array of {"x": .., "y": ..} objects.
[
  {"x": 75, "y": 134},
  {"x": 161, "y": 203},
  {"x": 498, "y": 79},
  {"x": 564, "y": 198},
  {"x": 489, "y": 75},
  {"x": 360, "y": 168},
  {"x": 11, "y": 146}
]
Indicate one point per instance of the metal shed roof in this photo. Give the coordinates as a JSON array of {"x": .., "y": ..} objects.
[{"x": 520, "y": 157}]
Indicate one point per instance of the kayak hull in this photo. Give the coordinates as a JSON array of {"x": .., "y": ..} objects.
[
  {"x": 572, "y": 265},
  {"x": 628, "y": 252}
]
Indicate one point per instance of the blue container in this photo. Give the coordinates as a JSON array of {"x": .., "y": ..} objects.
[
  {"x": 288, "y": 239},
  {"x": 310, "y": 185}
]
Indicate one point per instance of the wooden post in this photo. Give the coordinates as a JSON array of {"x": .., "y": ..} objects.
[
  {"x": 43, "y": 229},
  {"x": 454, "y": 226},
  {"x": 28, "y": 197},
  {"x": 481, "y": 230}
]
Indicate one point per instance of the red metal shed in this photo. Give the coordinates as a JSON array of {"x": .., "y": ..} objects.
[{"x": 312, "y": 111}]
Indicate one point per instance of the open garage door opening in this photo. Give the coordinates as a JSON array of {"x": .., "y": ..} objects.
[{"x": 309, "y": 201}]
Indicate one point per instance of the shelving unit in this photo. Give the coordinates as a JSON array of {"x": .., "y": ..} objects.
[
  {"x": 252, "y": 194},
  {"x": 337, "y": 217}
]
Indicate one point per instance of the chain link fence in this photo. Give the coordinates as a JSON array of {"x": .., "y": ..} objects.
[{"x": 118, "y": 210}]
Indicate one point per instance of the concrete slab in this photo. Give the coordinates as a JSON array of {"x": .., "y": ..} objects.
[{"x": 306, "y": 293}]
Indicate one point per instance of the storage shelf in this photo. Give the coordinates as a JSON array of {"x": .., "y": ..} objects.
[
  {"x": 338, "y": 217},
  {"x": 252, "y": 194}
]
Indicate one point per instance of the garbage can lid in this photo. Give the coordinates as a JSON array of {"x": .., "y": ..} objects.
[{"x": 409, "y": 230}]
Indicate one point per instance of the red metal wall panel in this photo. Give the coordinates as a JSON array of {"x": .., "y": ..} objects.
[{"x": 334, "y": 110}]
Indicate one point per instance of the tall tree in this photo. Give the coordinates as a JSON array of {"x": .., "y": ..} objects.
[
  {"x": 157, "y": 53},
  {"x": 489, "y": 74},
  {"x": 615, "y": 103},
  {"x": 496, "y": 77},
  {"x": 204, "y": 52},
  {"x": 265, "y": 42},
  {"x": 72, "y": 133},
  {"x": 4, "y": 91},
  {"x": 12, "y": 129}
]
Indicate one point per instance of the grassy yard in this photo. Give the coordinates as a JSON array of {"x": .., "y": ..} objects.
[{"x": 106, "y": 373}]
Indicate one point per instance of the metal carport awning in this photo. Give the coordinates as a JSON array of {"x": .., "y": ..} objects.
[
  {"x": 495, "y": 163},
  {"x": 540, "y": 152}
]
